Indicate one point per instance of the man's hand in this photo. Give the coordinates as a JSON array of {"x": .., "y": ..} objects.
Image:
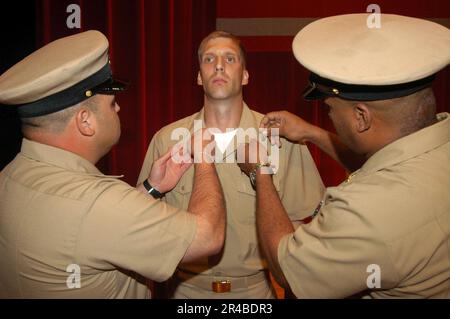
[
  {"x": 166, "y": 172},
  {"x": 298, "y": 130},
  {"x": 289, "y": 125}
]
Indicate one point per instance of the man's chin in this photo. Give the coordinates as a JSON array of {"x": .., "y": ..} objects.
[
  {"x": 110, "y": 147},
  {"x": 219, "y": 95},
  {"x": 116, "y": 141}
]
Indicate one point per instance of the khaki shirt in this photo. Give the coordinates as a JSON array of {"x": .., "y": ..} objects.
[
  {"x": 393, "y": 213},
  {"x": 297, "y": 182},
  {"x": 58, "y": 212}
]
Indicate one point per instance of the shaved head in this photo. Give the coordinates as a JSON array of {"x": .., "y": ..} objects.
[{"x": 410, "y": 113}]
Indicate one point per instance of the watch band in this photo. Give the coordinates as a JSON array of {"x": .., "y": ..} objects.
[
  {"x": 252, "y": 174},
  {"x": 152, "y": 191}
]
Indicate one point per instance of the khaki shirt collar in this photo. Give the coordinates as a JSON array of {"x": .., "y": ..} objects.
[
  {"x": 247, "y": 119},
  {"x": 411, "y": 145},
  {"x": 59, "y": 157}
]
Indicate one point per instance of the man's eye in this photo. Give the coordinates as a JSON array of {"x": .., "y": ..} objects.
[
  {"x": 208, "y": 59},
  {"x": 231, "y": 59}
]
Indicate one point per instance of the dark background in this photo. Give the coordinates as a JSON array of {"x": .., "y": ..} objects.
[{"x": 18, "y": 39}]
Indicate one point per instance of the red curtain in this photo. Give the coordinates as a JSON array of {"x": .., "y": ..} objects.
[{"x": 153, "y": 45}]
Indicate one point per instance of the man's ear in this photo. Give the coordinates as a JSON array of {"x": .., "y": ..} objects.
[
  {"x": 85, "y": 122},
  {"x": 199, "y": 78},
  {"x": 245, "y": 77},
  {"x": 363, "y": 117}
]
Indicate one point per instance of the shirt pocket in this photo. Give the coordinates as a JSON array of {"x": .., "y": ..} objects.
[
  {"x": 246, "y": 201},
  {"x": 181, "y": 194}
]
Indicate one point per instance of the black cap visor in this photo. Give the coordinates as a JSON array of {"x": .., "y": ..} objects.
[
  {"x": 312, "y": 93},
  {"x": 111, "y": 86},
  {"x": 321, "y": 88}
]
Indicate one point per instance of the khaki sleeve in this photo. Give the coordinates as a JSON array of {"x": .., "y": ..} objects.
[
  {"x": 154, "y": 151},
  {"x": 329, "y": 258},
  {"x": 130, "y": 230},
  {"x": 301, "y": 186}
]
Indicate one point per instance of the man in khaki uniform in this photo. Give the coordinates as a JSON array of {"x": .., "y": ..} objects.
[
  {"x": 385, "y": 231},
  {"x": 238, "y": 271},
  {"x": 67, "y": 230}
]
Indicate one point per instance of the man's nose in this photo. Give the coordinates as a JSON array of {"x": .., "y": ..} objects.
[{"x": 219, "y": 65}]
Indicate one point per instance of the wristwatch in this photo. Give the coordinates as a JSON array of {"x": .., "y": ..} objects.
[
  {"x": 252, "y": 174},
  {"x": 152, "y": 191}
]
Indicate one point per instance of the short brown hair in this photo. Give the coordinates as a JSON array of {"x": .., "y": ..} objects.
[{"x": 223, "y": 34}]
